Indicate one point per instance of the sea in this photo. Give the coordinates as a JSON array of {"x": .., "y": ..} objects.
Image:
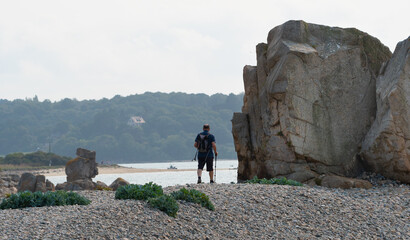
[{"x": 226, "y": 172}]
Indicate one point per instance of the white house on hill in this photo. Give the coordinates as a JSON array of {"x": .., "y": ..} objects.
[{"x": 135, "y": 121}]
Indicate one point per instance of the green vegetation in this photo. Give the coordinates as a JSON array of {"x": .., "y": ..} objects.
[
  {"x": 156, "y": 198},
  {"x": 166, "y": 204},
  {"x": 39, "y": 199},
  {"x": 139, "y": 192},
  {"x": 278, "y": 181},
  {"x": 106, "y": 126},
  {"x": 34, "y": 159},
  {"x": 194, "y": 196}
]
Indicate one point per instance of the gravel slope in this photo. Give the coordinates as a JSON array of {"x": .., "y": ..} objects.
[{"x": 243, "y": 211}]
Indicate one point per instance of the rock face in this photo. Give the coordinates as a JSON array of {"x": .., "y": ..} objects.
[
  {"x": 386, "y": 148},
  {"x": 308, "y": 103},
  {"x": 82, "y": 167},
  {"x": 33, "y": 183}
]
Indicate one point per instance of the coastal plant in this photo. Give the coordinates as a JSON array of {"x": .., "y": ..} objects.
[
  {"x": 166, "y": 204},
  {"x": 277, "y": 181},
  {"x": 194, "y": 196},
  {"x": 39, "y": 199},
  {"x": 154, "y": 195},
  {"x": 139, "y": 192}
]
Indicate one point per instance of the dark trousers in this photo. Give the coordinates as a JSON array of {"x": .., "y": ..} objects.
[{"x": 209, "y": 163}]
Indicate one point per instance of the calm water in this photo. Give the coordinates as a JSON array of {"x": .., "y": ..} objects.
[{"x": 167, "y": 178}]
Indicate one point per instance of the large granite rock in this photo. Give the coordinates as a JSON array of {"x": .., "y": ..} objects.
[
  {"x": 82, "y": 167},
  {"x": 80, "y": 172},
  {"x": 308, "y": 103},
  {"x": 386, "y": 148}
]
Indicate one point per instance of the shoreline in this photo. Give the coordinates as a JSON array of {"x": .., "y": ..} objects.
[{"x": 117, "y": 170}]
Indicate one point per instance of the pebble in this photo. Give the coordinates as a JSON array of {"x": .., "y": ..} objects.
[{"x": 242, "y": 211}]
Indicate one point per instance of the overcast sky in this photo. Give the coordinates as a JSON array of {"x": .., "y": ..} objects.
[{"x": 95, "y": 49}]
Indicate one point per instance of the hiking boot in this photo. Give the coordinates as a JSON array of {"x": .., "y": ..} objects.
[{"x": 212, "y": 181}]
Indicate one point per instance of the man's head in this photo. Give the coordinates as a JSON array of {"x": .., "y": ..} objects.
[{"x": 206, "y": 127}]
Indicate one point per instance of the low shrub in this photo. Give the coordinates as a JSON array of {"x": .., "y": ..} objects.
[
  {"x": 156, "y": 198},
  {"x": 39, "y": 199},
  {"x": 166, "y": 204},
  {"x": 278, "y": 181},
  {"x": 139, "y": 192},
  {"x": 194, "y": 196}
]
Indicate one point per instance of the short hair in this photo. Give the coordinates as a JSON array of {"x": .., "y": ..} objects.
[{"x": 206, "y": 126}]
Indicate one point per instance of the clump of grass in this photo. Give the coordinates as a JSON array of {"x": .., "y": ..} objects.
[
  {"x": 139, "y": 192},
  {"x": 278, "y": 181},
  {"x": 39, "y": 199},
  {"x": 166, "y": 204},
  {"x": 194, "y": 196}
]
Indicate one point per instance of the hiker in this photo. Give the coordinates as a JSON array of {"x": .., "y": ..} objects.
[{"x": 205, "y": 143}]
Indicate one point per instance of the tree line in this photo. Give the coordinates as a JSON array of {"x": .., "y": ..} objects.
[
  {"x": 35, "y": 159},
  {"x": 147, "y": 127}
]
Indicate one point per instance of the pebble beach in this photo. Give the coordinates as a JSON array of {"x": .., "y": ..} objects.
[{"x": 242, "y": 211}]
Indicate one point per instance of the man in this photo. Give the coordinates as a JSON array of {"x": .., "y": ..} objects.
[{"x": 205, "y": 143}]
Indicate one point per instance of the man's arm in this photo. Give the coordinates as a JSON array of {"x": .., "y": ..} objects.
[
  {"x": 214, "y": 147},
  {"x": 196, "y": 145}
]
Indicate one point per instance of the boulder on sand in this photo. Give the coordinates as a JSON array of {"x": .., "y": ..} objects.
[
  {"x": 118, "y": 183},
  {"x": 30, "y": 182},
  {"x": 27, "y": 182},
  {"x": 80, "y": 172},
  {"x": 77, "y": 185},
  {"x": 82, "y": 167}
]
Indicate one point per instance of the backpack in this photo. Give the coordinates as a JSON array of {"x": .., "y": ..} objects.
[{"x": 204, "y": 144}]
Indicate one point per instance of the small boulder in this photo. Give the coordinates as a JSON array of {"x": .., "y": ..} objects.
[
  {"x": 40, "y": 183},
  {"x": 84, "y": 153},
  {"x": 27, "y": 182},
  {"x": 32, "y": 183},
  {"x": 77, "y": 185},
  {"x": 61, "y": 186},
  {"x": 101, "y": 186},
  {"x": 334, "y": 181},
  {"x": 118, "y": 183},
  {"x": 50, "y": 186}
]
